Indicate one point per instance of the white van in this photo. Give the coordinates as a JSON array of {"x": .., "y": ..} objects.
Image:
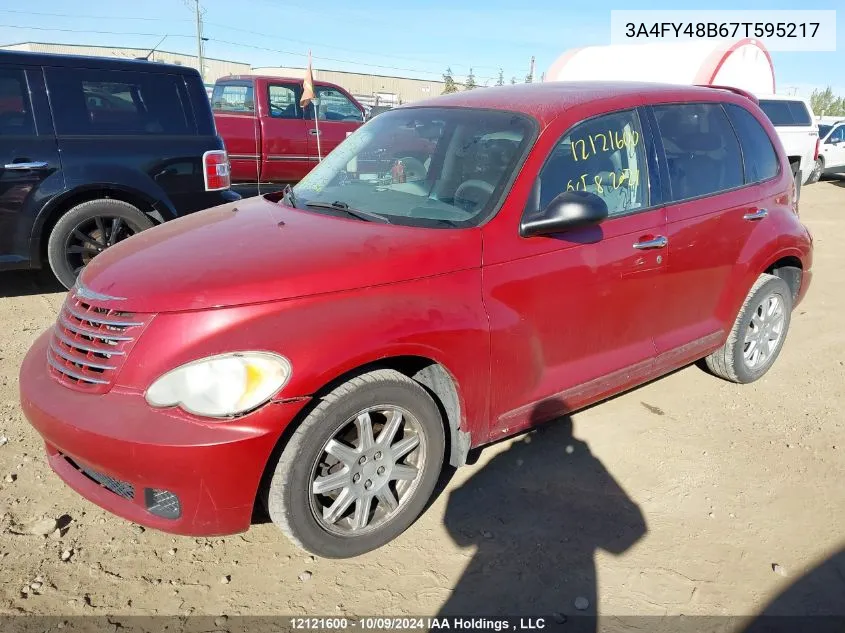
[{"x": 795, "y": 123}]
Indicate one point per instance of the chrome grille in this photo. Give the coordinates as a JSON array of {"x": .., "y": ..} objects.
[{"x": 89, "y": 344}]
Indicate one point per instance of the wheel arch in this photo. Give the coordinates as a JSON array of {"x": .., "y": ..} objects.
[
  {"x": 156, "y": 210},
  {"x": 434, "y": 377},
  {"x": 788, "y": 268}
]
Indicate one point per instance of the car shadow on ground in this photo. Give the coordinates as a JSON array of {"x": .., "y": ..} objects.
[
  {"x": 837, "y": 179},
  {"x": 24, "y": 283},
  {"x": 537, "y": 513}
]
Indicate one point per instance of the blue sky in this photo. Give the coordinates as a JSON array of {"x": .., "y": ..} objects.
[{"x": 418, "y": 39}]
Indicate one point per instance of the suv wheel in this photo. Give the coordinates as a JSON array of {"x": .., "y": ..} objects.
[
  {"x": 758, "y": 332},
  {"x": 88, "y": 229},
  {"x": 360, "y": 468}
]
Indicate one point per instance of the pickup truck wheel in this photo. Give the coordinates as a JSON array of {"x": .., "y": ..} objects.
[
  {"x": 758, "y": 333},
  {"x": 88, "y": 229},
  {"x": 360, "y": 468},
  {"x": 818, "y": 170}
]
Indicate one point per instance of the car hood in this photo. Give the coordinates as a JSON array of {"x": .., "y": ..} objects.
[{"x": 256, "y": 250}]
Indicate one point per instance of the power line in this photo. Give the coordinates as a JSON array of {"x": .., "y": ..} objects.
[
  {"x": 230, "y": 28},
  {"x": 237, "y": 44},
  {"x": 95, "y": 17}
]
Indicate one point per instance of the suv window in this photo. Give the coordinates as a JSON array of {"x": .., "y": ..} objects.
[
  {"x": 15, "y": 111},
  {"x": 605, "y": 156},
  {"x": 233, "y": 97},
  {"x": 284, "y": 102},
  {"x": 702, "y": 151},
  {"x": 115, "y": 102},
  {"x": 334, "y": 106},
  {"x": 758, "y": 153},
  {"x": 786, "y": 113}
]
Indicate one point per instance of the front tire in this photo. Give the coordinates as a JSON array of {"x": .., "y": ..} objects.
[
  {"x": 360, "y": 468},
  {"x": 758, "y": 333},
  {"x": 88, "y": 229}
]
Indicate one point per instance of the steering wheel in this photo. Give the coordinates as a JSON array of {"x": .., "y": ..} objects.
[{"x": 471, "y": 195}]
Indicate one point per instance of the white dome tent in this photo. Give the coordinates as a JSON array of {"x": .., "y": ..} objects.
[{"x": 743, "y": 63}]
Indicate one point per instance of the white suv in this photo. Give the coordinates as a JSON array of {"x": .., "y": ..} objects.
[
  {"x": 795, "y": 124},
  {"x": 831, "y": 158}
]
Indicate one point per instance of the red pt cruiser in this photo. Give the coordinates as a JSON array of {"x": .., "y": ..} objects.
[{"x": 449, "y": 271}]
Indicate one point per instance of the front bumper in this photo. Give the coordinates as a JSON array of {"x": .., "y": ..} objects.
[{"x": 213, "y": 469}]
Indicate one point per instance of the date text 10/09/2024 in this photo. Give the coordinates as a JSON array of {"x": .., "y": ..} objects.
[{"x": 419, "y": 624}]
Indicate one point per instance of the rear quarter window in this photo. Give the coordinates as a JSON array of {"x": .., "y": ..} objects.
[
  {"x": 233, "y": 97},
  {"x": 117, "y": 102},
  {"x": 786, "y": 113},
  {"x": 758, "y": 153}
]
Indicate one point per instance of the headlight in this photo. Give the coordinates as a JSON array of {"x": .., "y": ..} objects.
[{"x": 222, "y": 386}]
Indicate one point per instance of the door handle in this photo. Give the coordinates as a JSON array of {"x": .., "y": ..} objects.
[
  {"x": 25, "y": 166},
  {"x": 657, "y": 242},
  {"x": 759, "y": 214},
  {"x": 314, "y": 132}
]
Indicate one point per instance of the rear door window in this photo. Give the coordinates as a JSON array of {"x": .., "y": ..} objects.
[
  {"x": 15, "y": 111},
  {"x": 702, "y": 151},
  {"x": 759, "y": 157},
  {"x": 605, "y": 156},
  {"x": 786, "y": 113},
  {"x": 117, "y": 102},
  {"x": 233, "y": 97}
]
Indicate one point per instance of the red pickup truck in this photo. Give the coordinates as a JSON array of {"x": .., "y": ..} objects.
[{"x": 269, "y": 137}]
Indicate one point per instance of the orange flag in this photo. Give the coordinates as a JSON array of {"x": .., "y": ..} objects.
[{"x": 307, "y": 85}]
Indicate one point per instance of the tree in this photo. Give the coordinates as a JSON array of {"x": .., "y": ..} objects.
[
  {"x": 529, "y": 78},
  {"x": 501, "y": 80},
  {"x": 470, "y": 84},
  {"x": 513, "y": 81},
  {"x": 449, "y": 82},
  {"x": 825, "y": 103}
]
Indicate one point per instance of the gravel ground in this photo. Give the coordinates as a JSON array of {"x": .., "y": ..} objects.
[{"x": 689, "y": 495}]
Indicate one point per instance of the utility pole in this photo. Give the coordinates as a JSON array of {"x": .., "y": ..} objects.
[{"x": 199, "y": 39}]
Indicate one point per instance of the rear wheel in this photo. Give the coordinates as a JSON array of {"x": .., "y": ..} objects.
[
  {"x": 818, "y": 170},
  {"x": 758, "y": 333},
  {"x": 360, "y": 468},
  {"x": 88, "y": 229}
]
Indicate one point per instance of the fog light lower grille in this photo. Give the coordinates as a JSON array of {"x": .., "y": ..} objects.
[
  {"x": 120, "y": 488},
  {"x": 162, "y": 503}
]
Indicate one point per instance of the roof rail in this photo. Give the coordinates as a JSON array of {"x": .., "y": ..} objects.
[{"x": 738, "y": 91}]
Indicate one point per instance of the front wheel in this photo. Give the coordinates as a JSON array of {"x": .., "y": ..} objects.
[
  {"x": 758, "y": 333},
  {"x": 360, "y": 468},
  {"x": 87, "y": 230}
]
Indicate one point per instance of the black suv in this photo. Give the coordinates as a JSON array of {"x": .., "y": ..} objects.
[{"x": 93, "y": 150}]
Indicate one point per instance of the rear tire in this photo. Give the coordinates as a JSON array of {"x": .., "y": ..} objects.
[
  {"x": 816, "y": 173},
  {"x": 329, "y": 460},
  {"x": 758, "y": 334},
  {"x": 102, "y": 222}
]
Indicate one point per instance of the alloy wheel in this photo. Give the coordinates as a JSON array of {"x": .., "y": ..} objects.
[
  {"x": 764, "y": 332},
  {"x": 367, "y": 471},
  {"x": 94, "y": 235}
]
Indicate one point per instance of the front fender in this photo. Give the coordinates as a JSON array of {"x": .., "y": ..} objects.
[{"x": 327, "y": 336}]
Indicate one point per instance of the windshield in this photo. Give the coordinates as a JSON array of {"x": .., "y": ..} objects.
[{"x": 437, "y": 167}]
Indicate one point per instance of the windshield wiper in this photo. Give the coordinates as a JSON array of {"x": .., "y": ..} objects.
[
  {"x": 355, "y": 213},
  {"x": 288, "y": 196}
]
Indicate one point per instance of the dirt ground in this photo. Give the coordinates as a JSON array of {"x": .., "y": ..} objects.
[{"x": 689, "y": 495}]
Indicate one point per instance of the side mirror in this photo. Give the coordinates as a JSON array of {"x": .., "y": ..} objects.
[{"x": 568, "y": 210}]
